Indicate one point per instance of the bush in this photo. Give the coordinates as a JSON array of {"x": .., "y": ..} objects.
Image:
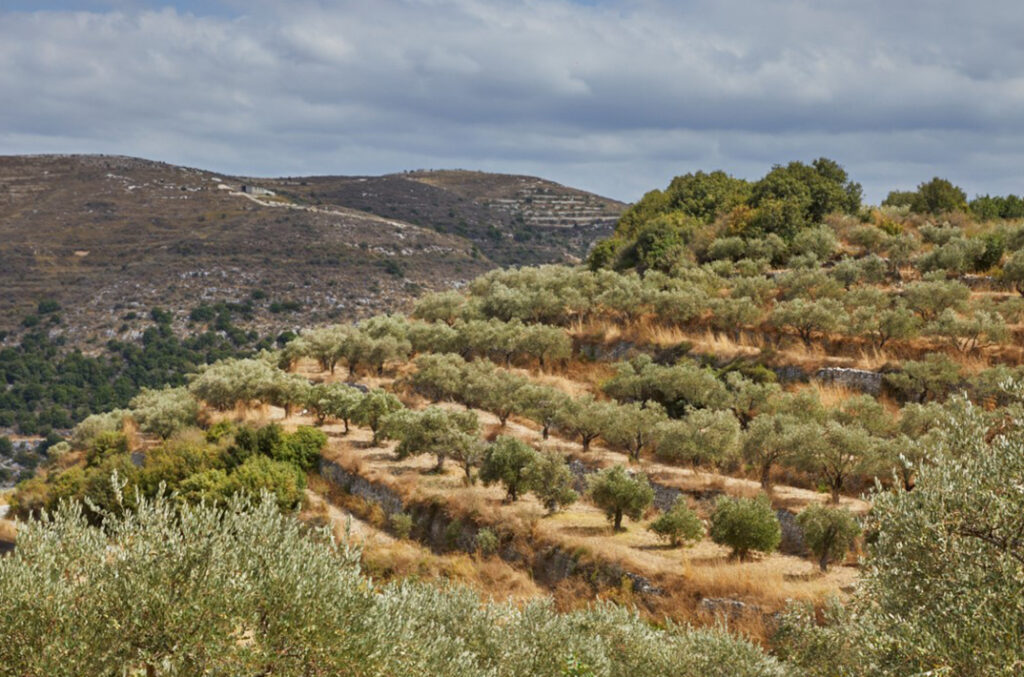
[
  {"x": 745, "y": 524},
  {"x": 486, "y": 542},
  {"x": 401, "y": 524},
  {"x": 678, "y": 525},
  {"x": 301, "y": 448}
]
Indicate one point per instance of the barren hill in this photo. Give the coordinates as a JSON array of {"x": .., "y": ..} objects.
[{"x": 107, "y": 237}]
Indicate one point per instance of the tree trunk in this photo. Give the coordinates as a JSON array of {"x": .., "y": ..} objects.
[
  {"x": 766, "y": 476},
  {"x": 346, "y": 426},
  {"x": 439, "y": 468},
  {"x": 618, "y": 520},
  {"x": 544, "y": 431},
  {"x": 586, "y": 443},
  {"x": 836, "y": 486}
]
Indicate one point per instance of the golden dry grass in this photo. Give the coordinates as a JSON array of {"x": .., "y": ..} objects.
[
  {"x": 387, "y": 558},
  {"x": 8, "y": 530}
]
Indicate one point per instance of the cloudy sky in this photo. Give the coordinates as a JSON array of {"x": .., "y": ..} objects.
[{"x": 615, "y": 96}]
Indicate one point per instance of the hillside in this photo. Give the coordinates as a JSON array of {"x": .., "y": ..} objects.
[
  {"x": 107, "y": 237},
  {"x": 514, "y": 220},
  {"x": 805, "y": 431}
]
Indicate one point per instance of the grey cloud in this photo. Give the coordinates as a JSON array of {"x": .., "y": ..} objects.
[{"x": 616, "y": 97}]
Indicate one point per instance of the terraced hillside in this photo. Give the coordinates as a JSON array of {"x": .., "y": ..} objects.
[{"x": 514, "y": 220}]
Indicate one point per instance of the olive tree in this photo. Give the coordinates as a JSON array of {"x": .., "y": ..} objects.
[
  {"x": 838, "y": 452},
  {"x": 774, "y": 438},
  {"x": 542, "y": 404},
  {"x": 435, "y": 431},
  {"x": 493, "y": 390},
  {"x": 633, "y": 427},
  {"x": 929, "y": 379},
  {"x": 231, "y": 382},
  {"x": 971, "y": 333},
  {"x": 745, "y": 525},
  {"x": 704, "y": 436},
  {"x": 373, "y": 407},
  {"x": 551, "y": 481},
  {"x": 507, "y": 460},
  {"x": 286, "y": 391},
  {"x": 618, "y": 492},
  {"x": 334, "y": 400},
  {"x": 164, "y": 411},
  {"x": 326, "y": 345},
  {"x": 944, "y": 575},
  {"x": 586, "y": 418},
  {"x": 808, "y": 318},
  {"x": 828, "y": 532},
  {"x": 439, "y": 376}
]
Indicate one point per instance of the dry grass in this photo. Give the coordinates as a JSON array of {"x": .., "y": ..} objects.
[
  {"x": 8, "y": 530},
  {"x": 831, "y": 395},
  {"x": 385, "y": 557}
]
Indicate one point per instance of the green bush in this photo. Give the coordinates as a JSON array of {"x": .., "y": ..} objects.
[
  {"x": 745, "y": 525},
  {"x": 486, "y": 542},
  {"x": 678, "y": 525},
  {"x": 401, "y": 524}
]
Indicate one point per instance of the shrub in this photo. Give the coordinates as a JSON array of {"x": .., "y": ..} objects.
[
  {"x": 401, "y": 524},
  {"x": 745, "y": 524},
  {"x": 486, "y": 542},
  {"x": 678, "y": 525}
]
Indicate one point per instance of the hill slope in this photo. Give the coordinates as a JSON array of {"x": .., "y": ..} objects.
[{"x": 108, "y": 236}]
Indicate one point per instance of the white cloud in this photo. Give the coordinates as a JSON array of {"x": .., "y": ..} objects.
[{"x": 616, "y": 96}]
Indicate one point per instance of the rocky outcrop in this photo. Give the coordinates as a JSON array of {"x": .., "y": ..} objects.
[
  {"x": 792, "y": 534},
  {"x": 869, "y": 382},
  {"x": 357, "y": 485}
]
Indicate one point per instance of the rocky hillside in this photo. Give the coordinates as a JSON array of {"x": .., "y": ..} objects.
[
  {"x": 108, "y": 238},
  {"x": 513, "y": 220}
]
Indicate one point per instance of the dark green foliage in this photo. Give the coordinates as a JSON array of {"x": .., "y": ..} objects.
[
  {"x": 49, "y": 388},
  {"x": 227, "y": 460},
  {"x": 47, "y": 307},
  {"x": 301, "y": 448},
  {"x": 931, "y": 197},
  {"x": 991, "y": 207}
]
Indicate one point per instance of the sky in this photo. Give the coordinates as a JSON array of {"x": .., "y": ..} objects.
[{"x": 613, "y": 96}]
